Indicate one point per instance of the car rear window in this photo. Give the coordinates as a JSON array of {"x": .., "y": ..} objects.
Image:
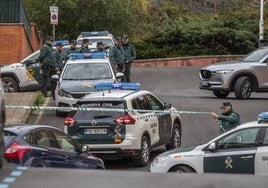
[
  {"x": 8, "y": 136},
  {"x": 104, "y": 109}
]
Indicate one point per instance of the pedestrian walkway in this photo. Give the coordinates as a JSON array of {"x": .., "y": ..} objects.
[{"x": 19, "y": 115}]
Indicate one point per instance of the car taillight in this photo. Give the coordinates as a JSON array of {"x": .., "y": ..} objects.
[
  {"x": 16, "y": 151},
  {"x": 127, "y": 119},
  {"x": 69, "y": 121}
]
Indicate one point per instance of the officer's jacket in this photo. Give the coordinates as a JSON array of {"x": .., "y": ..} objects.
[
  {"x": 228, "y": 121},
  {"x": 129, "y": 52},
  {"x": 84, "y": 49},
  {"x": 116, "y": 55},
  {"x": 45, "y": 56},
  {"x": 57, "y": 61}
]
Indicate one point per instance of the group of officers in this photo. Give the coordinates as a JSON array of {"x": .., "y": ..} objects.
[{"x": 121, "y": 54}]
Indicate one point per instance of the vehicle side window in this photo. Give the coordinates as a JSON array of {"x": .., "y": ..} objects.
[
  {"x": 29, "y": 138},
  {"x": 265, "y": 141},
  {"x": 44, "y": 138},
  {"x": 155, "y": 103},
  {"x": 65, "y": 142},
  {"x": 141, "y": 103},
  {"x": 239, "y": 139}
]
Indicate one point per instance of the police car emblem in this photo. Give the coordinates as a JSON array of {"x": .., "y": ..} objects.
[{"x": 228, "y": 162}]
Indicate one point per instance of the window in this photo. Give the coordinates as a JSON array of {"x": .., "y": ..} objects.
[
  {"x": 42, "y": 138},
  {"x": 239, "y": 139},
  {"x": 65, "y": 142},
  {"x": 265, "y": 141},
  {"x": 141, "y": 103},
  {"x": 155, "y": 103}
]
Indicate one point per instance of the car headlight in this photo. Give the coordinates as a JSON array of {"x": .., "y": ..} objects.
[
  {"x": 64, "y": 94},
  {"x": 160, "y": 160},
  {"x": 223, "y": 71}
]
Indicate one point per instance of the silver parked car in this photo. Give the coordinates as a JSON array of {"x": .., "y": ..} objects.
[{"x": 243, "y": 77}]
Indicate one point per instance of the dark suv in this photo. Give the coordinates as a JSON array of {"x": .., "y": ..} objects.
[{"x": 242, "y": 77}]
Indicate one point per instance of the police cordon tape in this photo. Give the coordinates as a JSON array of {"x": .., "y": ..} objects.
[{"x": 101, "y": 109}]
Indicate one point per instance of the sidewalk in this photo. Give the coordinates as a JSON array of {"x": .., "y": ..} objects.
[{"x": 19, "y": 115}]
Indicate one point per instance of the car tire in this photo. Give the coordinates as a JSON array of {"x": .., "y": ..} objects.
[
  {"x": 243, "y": 87},
  {"x": 181, "y": 169},
  {"x": 144, "y": 155},
  {"x": 175, "y": 140},
  {"x": 10, "y": 85},
  {"x": 221, "y": 94}
]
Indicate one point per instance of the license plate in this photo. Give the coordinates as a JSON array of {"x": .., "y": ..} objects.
[{"x": 95, "y": 131}]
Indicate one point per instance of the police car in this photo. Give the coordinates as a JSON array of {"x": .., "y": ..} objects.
[
  {"x": 79, "y": 76},
  {"x": 97, "y": 36},
  {"x": 25, "y": 75},
  {"x": 242, "y": 150},
  {"x": 123, "y": 121}
]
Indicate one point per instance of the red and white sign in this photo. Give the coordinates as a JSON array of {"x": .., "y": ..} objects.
[{"x": 54, "y": 15}]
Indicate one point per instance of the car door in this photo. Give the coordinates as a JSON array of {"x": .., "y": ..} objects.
[
  {"x": 163, "y": 118},
  {"x": 235, "y": 153},
  {"x": 261, "y": 162},
  {"x": 53, "y": 156}
]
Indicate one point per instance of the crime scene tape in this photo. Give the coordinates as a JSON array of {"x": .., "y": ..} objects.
[{"x": 101, "y": 109}]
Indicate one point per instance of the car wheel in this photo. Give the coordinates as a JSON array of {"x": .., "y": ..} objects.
[
  {"x": 243, "y": 87},
  {"x": 144, "y": 155},
  {"x": 221, "y": 94},
  {"x": 10, "y": 85},
  {"x": 181, "y": 169},
  {"x": 175, "y": 140}
]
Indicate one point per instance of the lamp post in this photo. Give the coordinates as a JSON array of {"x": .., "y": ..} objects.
[{"x": 261, "y": 39}]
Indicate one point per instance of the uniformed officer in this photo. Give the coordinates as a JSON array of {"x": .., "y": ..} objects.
[
  {"x": 56, "y": 66},
  {"x": 100, "y": 47},
  {"x": 228, "y": 119},
  {"x": 129, "y": 56},
  {"x": 45, "y": 60},
  {"x": 84, "y": 46},
  {"x": 116, "y": 56},
  {"x": 73, "y": 49}
]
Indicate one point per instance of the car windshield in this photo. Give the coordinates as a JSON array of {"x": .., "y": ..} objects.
[
  {"x": 87, "y": 71},
  {"x": 98, "y": 114},
  {"x": 107, "y": 42},
  {"x": 256, "y": 55}
]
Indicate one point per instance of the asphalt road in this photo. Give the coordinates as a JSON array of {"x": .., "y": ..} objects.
[{"x": 180, "y": 87}]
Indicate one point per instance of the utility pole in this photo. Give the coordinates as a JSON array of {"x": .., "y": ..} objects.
[{"x": 261, "y": 38}]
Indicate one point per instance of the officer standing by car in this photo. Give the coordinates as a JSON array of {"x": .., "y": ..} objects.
[
  {"x": 45, "y": 60},
  {"x": 116, "y": 56},
  {"x": 228, "y": 120},
  {"x": 129, "y": 56},
  {"x": 56, "y": 67},
  {"x": 100, "y": 47},
  {"x": 84, "y": 46},
  {"x": 73, "y": 49}
]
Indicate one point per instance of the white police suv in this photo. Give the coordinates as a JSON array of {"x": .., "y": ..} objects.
[
  {"x": 79, "y": 76},
  {"x": 123, "y": 121},
  {"x": 242, "y": 150},
  {"x": 25, "y": 75}
]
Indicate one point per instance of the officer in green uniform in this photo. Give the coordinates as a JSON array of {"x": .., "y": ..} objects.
[
  {"x": 45, "y": 60},
  {"x": 228, "y": 119},
  {"x": 84, "y": 46},
  {"x": 56, "y": 66},
  {"x": 116, "y": 56},
  {"x": 100, "y": 47},
  {"x": 73, "y": 49},
  {"x": 129, "y": 56}
]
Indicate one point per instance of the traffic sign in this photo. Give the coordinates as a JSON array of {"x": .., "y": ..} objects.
[{"x": 54, "y": 15}]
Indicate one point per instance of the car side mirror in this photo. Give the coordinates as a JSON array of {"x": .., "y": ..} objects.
[
  {"x": 167, "y": 105},
  {"x": 212, "y": 146},
  {"x": 119, "y": 75},
  {"x": 55, "y": 77}
]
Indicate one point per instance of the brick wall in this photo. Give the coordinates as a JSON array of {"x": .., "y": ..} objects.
[{"x": 15, "y": 44}]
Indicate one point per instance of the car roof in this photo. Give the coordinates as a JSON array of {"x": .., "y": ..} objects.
[
  {"x": 18, "y": 129},
  {"x": 112, "y": 95},
  {"x": 101, "y": 60}
]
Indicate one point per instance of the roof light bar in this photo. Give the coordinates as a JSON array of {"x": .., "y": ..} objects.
[
  {"x": 263, "y": 117},
  {"x": 63, "y": 42},
  {"x": 99, "y": 55},
  {"x": 122, "y": 86},
  {"x": 94, "y": 33}
]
